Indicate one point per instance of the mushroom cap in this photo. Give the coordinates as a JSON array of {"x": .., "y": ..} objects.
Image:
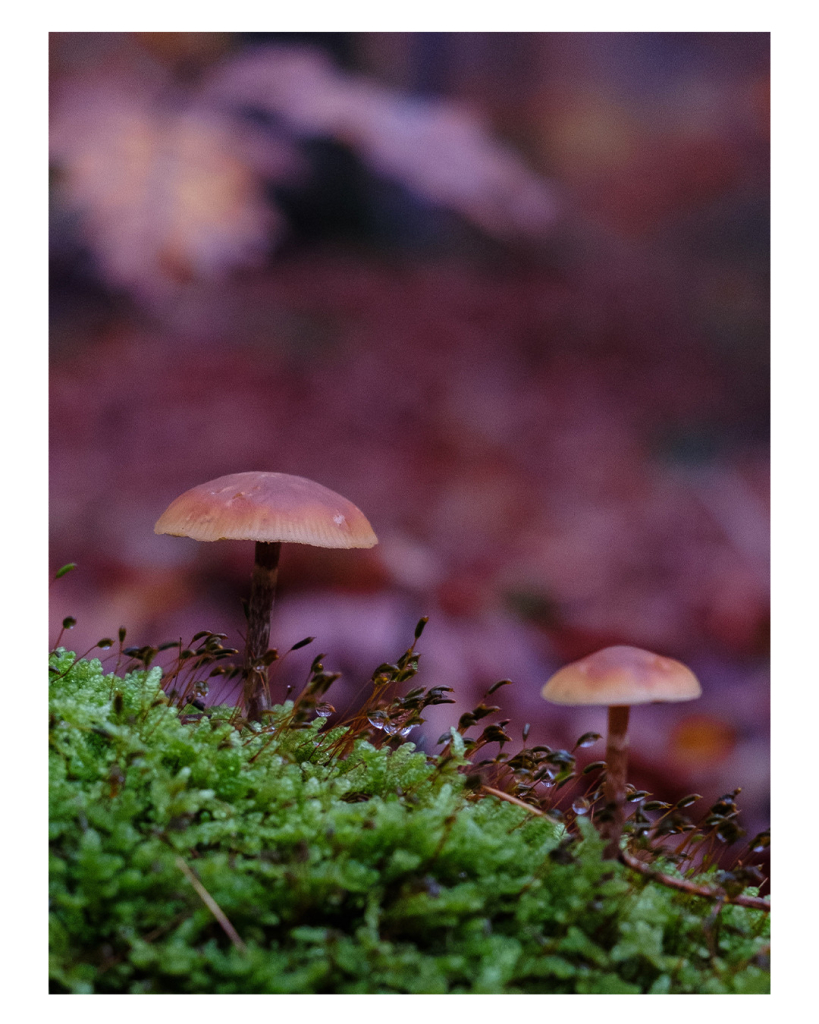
[
  {"x": 622, "y": 675},
  {"x": 267, "y": 507}
]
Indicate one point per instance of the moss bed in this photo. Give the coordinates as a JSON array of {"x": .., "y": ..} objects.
[{"x": 192, "y": 854}]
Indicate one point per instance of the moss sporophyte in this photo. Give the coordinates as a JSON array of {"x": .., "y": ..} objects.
[{"x": 193, "y": 851}]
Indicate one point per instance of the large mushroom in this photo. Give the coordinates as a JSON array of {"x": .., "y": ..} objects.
[
  {"x": 270, "y": 509},
  {"x": 618, "y": 677}
]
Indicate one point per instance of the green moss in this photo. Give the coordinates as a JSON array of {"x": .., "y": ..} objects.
[{"x": 379, "y": 872}]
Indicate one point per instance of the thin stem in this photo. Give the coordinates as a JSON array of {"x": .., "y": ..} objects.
[
  {"x": 754, "y": 902},
  {"x": 681, "y": 885},
  {"x": 212, "y": 905},
  {"x": 512, "y": 800},
  {"x": 262, "y": 592},
  {"x": 614, "y": 792}
]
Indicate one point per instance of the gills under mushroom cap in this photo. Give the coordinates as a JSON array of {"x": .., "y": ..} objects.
[
  {"x": 622, "y": 675},
  {"x": 267, "y": 507}
]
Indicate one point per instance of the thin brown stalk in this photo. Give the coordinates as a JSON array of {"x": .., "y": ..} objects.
[
  {"x": 212, "y": 905},
  {"x": 256, "y": 696},
  {"x": 614, "y": 788},
  {"x": 512, "y": 800},
  {"x": 754, "y": 902}
]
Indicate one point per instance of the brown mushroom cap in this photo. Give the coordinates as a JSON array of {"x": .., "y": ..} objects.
[
  {"x": 622, "y": 675},
  {"x": 269, "y": 507}
]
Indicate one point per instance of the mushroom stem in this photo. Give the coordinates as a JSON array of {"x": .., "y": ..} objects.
[
  {"x": 615, "y": 788},
  {"x": 262, "y": 592}
]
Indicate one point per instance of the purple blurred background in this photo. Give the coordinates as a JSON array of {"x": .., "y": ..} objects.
[{"x": 506, "y": 292}]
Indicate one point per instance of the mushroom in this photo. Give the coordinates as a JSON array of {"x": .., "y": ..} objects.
[
  {"x": 270, "y": 509},
  {"x": 618, "y": 677}
]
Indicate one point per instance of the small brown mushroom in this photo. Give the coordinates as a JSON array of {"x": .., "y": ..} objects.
[
  {"x": 270, "y": 509},
  {"x": 618, "y": 677}
]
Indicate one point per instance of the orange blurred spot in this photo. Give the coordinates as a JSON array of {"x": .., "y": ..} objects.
[{"x": 701, "y": 740}]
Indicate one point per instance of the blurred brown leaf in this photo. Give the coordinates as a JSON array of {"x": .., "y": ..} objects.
[
  {"x": 164, "y": 191},
  {"x": 169, "y": 181}
]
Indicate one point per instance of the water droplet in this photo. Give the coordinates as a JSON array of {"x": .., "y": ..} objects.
[
  {"x": 325, "y": 710},
  {"x": 399, "y": 726},
  {"x": 105, "y": 644},
  {"x": 69, "y": 623},
  {"x": 588, "y": 739},
  {"x": 376, "y": 719},
  {"x": 581, "y": 806}
]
